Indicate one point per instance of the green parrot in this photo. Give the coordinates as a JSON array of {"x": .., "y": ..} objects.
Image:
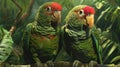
[
  {"x": 43, "y": 34},
  {"x": 78, "y": 34}
]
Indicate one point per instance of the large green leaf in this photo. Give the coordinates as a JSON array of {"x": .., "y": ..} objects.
[
  {"x": 6, "y": 44},
  {"x": 107, "y": 19}
]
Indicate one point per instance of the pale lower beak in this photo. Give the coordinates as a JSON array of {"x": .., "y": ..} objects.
[{"x": 90, "y": 20}]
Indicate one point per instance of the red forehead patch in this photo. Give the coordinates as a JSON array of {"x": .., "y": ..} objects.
[
  {"x": 56, "y": 6},
  {"x": 89, "y": 10}
]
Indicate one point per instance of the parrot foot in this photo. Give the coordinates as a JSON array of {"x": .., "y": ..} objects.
[
  {"x": 76, "y": 63},
  {"x": 50, "y": 63},
  {"x": 93, "y": 64}
]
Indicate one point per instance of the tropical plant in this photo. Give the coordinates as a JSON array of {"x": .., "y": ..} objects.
[{"x": 106, "y": 18}]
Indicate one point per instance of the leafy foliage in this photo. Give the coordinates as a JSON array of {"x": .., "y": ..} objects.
[
  {"x": 6, "y": 43},
  {"x": 106, "y": 18}
]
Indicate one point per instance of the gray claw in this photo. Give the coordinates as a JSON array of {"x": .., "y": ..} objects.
[
  {"x": 50, "y": 64},
  {"x": 76, "y": 63},
  {"x": 93, "y": 64}
]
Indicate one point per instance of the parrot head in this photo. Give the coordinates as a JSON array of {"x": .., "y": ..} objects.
[
  {"x": 82, "y": 13},
  {"x": 49, "y": 12}
]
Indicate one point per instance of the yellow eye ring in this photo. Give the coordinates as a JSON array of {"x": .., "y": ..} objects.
[
  {"x": 48, "y": 9},
  {"x": 81, "y": 13}
]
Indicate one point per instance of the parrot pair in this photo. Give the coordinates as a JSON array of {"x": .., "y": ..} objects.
[{"x": 44, "y": 34}]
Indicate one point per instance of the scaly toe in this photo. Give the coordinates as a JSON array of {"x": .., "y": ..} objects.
[
  {"x": 76, "y": 63},
  {"x": 93, "y": 64},
  {"x": 50, "y": 64}
]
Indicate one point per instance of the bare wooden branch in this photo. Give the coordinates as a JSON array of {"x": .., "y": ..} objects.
[
  {"x": 27, "y": 13},
  {"x": 61, "y": 64},
  {"x": 23, "y": 16},
  {"x": 17, "y": 17},
  {"x": 70, "y": 64},
  {"x": 20, "y": 9},
  {"x": 5, "y": 10}
]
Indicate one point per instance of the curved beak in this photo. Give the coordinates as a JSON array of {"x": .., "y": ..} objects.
[
  {"x": 57, "y": 16},
  {"x": 56, "y": 19},
  {"x": 90, "y": 20}
]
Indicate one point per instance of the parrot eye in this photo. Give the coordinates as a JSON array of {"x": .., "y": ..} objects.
[
  {"x": 81, "y": 13},
  {"x": 48, "y": 9}
]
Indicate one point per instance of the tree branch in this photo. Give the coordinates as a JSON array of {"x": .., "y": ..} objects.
[
  {"x": 5, "y": 9},
  {"x": 17, "y": 17},
  {"x": 68, "y": 64},
  {"x": 23, "y": 16},
  {"x": 27, "y": 13}
]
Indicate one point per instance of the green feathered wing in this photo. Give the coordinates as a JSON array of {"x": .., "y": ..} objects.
[
  {"x": 42, "y": 46},
  {"x": 79, "y": 45}
]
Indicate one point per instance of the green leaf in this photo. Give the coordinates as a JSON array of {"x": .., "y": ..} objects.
[
  {"x": 116, "y": 58},
  {"x": 5, "y": 45},
  {"x": 115, "y": 14}
]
